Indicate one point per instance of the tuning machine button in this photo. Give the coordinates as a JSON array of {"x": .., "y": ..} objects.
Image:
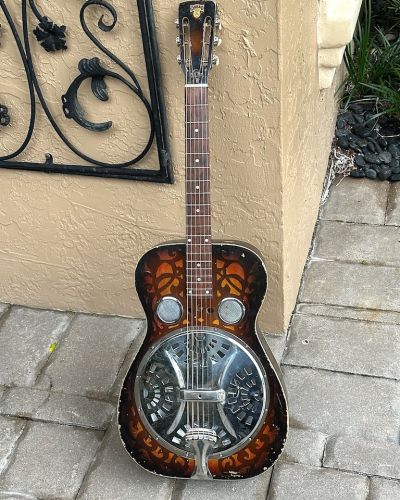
[
  {"x": 177, "y": 22},
  {"x": 178, "y": 41},
  {"x": 218, "y": 23},
  {"x": 169, "y": 310},
  {"x": 217, "y": 41},
  {"x": 215, "y": 60},
  {"x": 231, "y": 310},
  {"x": 179, "y": 59}
]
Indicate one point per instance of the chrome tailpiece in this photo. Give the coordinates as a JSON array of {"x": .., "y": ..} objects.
[{"x": 202, "y": 442}]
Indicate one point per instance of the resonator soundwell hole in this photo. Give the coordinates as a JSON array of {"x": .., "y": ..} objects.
[
  {"x": 169, "y": 310},
  {"x": 231, "y": 310}
]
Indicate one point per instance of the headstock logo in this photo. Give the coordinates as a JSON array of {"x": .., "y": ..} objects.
[{"x": 196, "y": 10}]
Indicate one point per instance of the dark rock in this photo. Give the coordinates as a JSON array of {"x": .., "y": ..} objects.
[
  {"x": 342, "y": 132},
  {"x": 394, "y": 151},
  {"x": 357, "y": 108},
  {"x": 394, "y": 164},
  {"x": 340, "y": 123},
  {"x": 348, "y": 116},
  {"x": 384, "y": 174},
  {"x": 370, "y": 158},
  {"x": 371, "y": 174},
  {"x": 385, "y": 156},
  {"x": 359, "y": 119},
  {"x": 377, "y": 168},
  {"x": 382, "y": 142},
  {"x": 361, "y": 142},
  {"x": 374, "y": 134},
  {"x": 395, "y": 170},
  {"x": 343, "y": 142},
  {"x": 365, "y": 151},
  {"x": 359, "y": 161},
  {"x": 394, "y": 177},
  {"x": 355, "y": 147},
  {"x": 369, "y": 117},
  {"x": 357, "y": 173},
  {"x": 361, "y": 131},
  {"x": 371, "y": 146}
]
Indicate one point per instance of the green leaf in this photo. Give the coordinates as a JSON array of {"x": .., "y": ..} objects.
[{"x": 53, "y": 347}]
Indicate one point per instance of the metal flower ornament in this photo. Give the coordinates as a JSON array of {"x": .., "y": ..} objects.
[{"x": 50, "y": 36}]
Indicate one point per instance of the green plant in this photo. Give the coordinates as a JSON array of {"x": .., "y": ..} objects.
[{"x": 373, "y": 63}]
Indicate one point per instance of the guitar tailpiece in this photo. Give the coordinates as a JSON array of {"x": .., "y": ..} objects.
[{"x": 202, "y": 442}]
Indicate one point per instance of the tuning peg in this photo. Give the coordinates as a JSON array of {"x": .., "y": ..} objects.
[
  {"x": 179, "y": 59},
  {"x": 178, "y": 41},
  {"x": 217, "y": 41},
  {"x": 177, "y": 22},
  {"x": 215, "y": 60},
  {"x": 218, "y": 23}
]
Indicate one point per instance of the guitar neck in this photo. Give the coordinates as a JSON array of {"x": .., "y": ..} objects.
[{"x": 198, "y": 202}]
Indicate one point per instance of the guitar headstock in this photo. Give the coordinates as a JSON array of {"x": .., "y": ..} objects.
[{"x": 198, "y": 25}]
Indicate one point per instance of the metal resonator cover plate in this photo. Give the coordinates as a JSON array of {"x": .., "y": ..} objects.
[{"x": 204, "y": 379}]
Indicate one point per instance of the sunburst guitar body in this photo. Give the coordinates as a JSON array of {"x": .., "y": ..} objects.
[{"x": 204, "y": 398}]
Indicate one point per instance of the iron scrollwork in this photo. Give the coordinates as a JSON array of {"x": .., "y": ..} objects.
[{"x": 53, "y": 38}]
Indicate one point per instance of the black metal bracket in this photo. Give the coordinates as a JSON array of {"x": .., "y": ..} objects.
[{"x": 54, "y": 38}]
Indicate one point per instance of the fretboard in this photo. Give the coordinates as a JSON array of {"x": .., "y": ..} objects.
[{"x": 198, "y": 206}]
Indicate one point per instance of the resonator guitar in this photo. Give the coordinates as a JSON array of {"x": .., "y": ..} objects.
[{"x": 204, "y": 397}]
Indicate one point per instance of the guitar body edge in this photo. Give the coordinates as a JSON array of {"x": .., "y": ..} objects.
[{"x": 238, "y": 271}]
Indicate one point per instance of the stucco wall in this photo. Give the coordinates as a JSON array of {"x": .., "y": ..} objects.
[
  {"x": 308, "y": 117},
  {"x": 72, "y": 242}
]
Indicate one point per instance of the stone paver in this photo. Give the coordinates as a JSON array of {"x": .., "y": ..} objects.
[
  {"x": 277, "y": 344},
  {"x": 245, "y": 489},
  {"x": 300, "y": 482},
  {"x": 357, "y": 200},
  {"x": 367, "y": 457},
  {"x": 304, "y": 447},
  {"x": 51, "y": 461},
  {"x": 379, "y": 245},
  {"x": 352, "y": 285},
  {"x": 344, "y": 345},
  {"x": 57, "y": 407},
  {"x": 114, "y": 475},
  {"x": 384, "y": 489},
  {"x": 339, "y": 403},
  {"x": 10, "y": 430},
  {"x": 25, "y": 338},
  {"x": 348, "y": 312},
  {"x": 88, "y": 360},
  {"x": 393, "y": 208}
]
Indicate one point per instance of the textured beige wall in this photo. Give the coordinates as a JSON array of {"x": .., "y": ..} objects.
[
  {"x": 72, "y": 242},
  {"x": 308, "y": 117}
]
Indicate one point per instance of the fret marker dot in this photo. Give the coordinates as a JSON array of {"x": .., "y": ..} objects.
[
  {"x": 190, "y": 291},
  {"x": 197, "y": 210},
  {"x": 189, "y": 240},
  {"x": 198, "y": 264},
  {"x": 196, "y": 130},
  {"x": 197, "y": 160},
  {"x": 198, "y": 279},
  {"x": 207, "y": 292},
  {"x": 197, "y": 187},
  {"x": 206, "y": 240}
]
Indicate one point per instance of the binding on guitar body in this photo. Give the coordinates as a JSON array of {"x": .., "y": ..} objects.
[{"x": 203, "y": 398}]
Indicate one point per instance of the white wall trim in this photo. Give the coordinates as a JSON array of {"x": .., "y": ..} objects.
[{"x": 337, "y": 20}]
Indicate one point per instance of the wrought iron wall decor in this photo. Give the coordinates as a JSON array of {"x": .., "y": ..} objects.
[{"x": 53, "y": 38}]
